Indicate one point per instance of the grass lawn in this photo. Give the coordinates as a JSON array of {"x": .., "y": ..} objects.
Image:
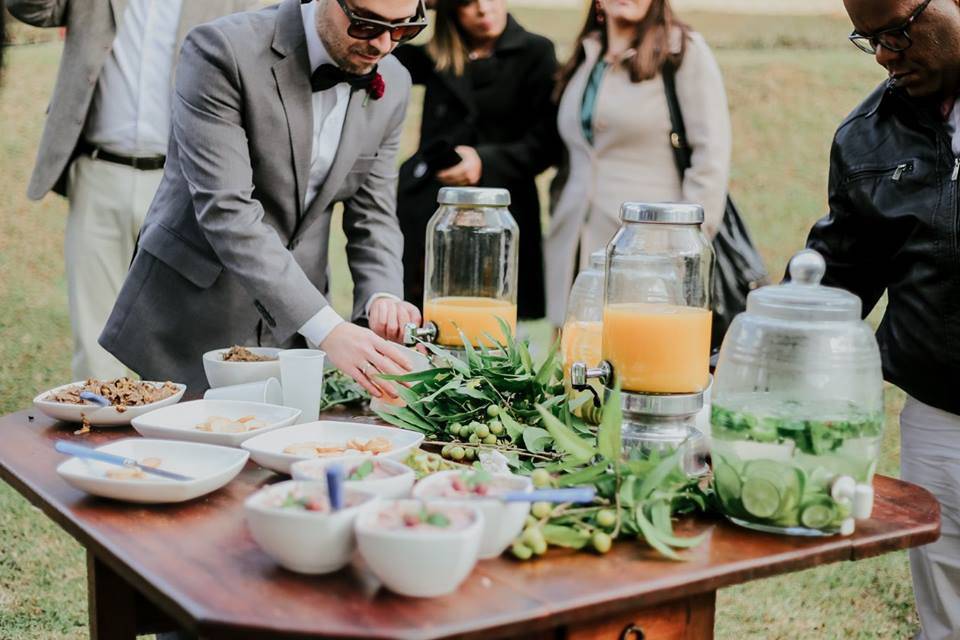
[{"x": 790, "y": 82}]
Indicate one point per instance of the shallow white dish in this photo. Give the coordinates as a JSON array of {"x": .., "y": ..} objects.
[
  {"x": 502, "y": 521},
  {"x": 421, "y": 564},
  {"x": 303, "y": 541},
  {"x": 99, "y": 416},
  {"x": 267, "y": 449},
  {"x": 395, "y": 486},
  {"x": 221, "y": 374},
  {"x": 178, "y": 422},
  {"x": 210, "y": 466}
]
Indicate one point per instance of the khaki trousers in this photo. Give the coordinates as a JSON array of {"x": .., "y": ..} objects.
[
  {"x": 108, "y": 203},
  {"x": 930, "y": 457}
]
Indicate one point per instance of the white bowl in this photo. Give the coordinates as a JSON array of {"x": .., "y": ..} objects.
[
  {"x": 422, "y": 564},
  {"x": 395, "y": 486},
  {"x": 222, "y": 374},
  {"x": 178, "y": 422},
  {"x": 503, "y": 521},
  {"x": 211, "y": 467},
  {"x": 99, "y": 416},
  {"x": 267, "y": 449},
  {"x": 303, "y": 541}
]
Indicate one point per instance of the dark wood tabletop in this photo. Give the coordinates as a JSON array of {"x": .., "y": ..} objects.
[{"x": 198, "y": 564}]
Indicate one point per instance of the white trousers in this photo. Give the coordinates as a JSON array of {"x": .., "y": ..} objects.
[
  {"x": 930, "y": 457},
  {"x": 108, "y": 203}
]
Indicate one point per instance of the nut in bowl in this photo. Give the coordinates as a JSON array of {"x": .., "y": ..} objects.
[
  {"x": 293, "y": 523},
  {"x": 420, "y": 549},
  {"x": 128, "y": 399},
  {"x": 503, "y": 521},
  {"x": 239, "y": 365},
  {"x": 380, "y": 476}
]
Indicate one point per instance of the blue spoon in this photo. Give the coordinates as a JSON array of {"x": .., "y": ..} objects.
[
  {"x": 95, "y": 398},
  {"x": 334, "y": 475},
  {"x": 81, "y": 451},
  {"x": 573, "y": 494}
]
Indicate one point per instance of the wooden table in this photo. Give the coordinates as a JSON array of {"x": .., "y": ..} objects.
[{"x": 195, "y": 565}]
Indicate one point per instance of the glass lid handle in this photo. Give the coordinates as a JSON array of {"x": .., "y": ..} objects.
[{"x": 807, "y": 267}]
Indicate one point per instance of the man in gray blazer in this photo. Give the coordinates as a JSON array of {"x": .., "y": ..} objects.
[
  {"x": 104, "y": 140},
  {"x": 278, "y": 115}
]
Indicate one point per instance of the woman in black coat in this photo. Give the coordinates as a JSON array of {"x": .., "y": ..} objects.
[{"x": 488, "y": 98}]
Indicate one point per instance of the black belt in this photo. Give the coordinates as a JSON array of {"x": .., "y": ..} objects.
[{"x": 151, "y": 163}]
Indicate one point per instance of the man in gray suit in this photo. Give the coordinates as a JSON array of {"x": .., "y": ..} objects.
[
  {"x": 277, "y": 115},
  {"x": 104, "y": 140}
]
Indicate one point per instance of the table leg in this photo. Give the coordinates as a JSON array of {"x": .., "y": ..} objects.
[
  {"x": 685, "y": 619},
  {"x": 111, "y": 601}
]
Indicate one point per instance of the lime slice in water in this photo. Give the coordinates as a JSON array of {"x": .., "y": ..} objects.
[
  {"x": 727, "y": 483},
  {"x": 760, "y": 497},
  {"x": 817, "y": 514}
]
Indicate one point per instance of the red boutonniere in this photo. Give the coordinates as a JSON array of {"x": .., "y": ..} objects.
[{"x": 375, "y": 89}]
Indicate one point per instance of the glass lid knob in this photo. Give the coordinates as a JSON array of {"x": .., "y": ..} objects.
[{"x": 807, "y": 267}]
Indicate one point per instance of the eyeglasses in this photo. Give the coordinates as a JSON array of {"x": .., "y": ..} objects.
[
  {"x": 368, "y": 28},
  {"x": 894, "y": 39}
]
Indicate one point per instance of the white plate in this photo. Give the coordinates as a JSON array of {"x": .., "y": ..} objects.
[
  {"x": 222, "y": 374},
  {"x": 178, "y": 422},
  {"x": 97, "y": 415},
  {"x": 211, "y": 467},
  {"x": 267, "y": 449}
]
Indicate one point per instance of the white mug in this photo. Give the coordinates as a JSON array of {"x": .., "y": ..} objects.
[
  {"x": 301, "y": 374},
  {"x": 267, "y": 391}
]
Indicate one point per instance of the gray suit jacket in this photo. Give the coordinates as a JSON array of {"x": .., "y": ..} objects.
[
  {"x": 91, "y": 28},
  {"x": 228, "y": 254}
]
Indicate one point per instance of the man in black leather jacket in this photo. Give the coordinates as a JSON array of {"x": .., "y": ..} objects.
[{"x": 894, "y": 226}]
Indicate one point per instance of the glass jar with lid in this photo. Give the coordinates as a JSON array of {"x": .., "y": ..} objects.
[
  {"x": 583, "y": 326},
  {"x": 471, "y": 268},
  {"x": 656, "y": 312},
  {"x": 797, "y": 413}
]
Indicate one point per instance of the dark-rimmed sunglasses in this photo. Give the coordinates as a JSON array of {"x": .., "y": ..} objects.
[
  {"x": 369, "y": 28},
  {"x": 895, "y": 39}
]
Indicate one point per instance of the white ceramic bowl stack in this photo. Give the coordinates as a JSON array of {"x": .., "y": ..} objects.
[
  {"x": 418, "y": 563},
  {"x": 503, "y": 521},
  {"x": 305, "y": 541}
]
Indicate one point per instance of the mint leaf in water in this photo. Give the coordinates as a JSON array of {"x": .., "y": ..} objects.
[
  {"x": 361, "y": 471},
  {"x": 437, "y": 519}
]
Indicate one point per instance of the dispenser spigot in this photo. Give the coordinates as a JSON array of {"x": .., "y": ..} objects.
[
  {"x": 413, "y": 334},
  {"x": 581, "y": 374}
]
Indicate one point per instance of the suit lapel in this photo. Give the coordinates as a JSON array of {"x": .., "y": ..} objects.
[
  {"x": 292, "y": 75},
  {"x": 354, "y": 124}
]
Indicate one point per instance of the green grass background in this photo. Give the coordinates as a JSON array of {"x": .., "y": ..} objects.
[{"x": 790, "y": 81}]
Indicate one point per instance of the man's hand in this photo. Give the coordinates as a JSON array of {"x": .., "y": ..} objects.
[
  {"x": 388, "y": 315},
  {"x": 362, "y": 354},
  {"x": 465, "y": 174}
]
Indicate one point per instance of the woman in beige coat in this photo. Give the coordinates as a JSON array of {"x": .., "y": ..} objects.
[{"x": 615, "y": 124}]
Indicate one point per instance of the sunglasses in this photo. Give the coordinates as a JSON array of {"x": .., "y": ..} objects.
[
  {"x": 369, "y": 28},
  {"x": 895, "y": 39}
]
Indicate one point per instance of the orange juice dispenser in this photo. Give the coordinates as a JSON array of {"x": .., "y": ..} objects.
[
  {"x": 470, "y": 278},
  {"x": 656, "y": 319}
]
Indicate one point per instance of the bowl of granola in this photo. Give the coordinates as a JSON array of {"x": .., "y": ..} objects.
[
  {"x": 127, "y": 399},
  {"x": 238, "y": 365}
]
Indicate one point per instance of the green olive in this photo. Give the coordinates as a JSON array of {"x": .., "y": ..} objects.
[
  {"x": 493, "y": 411},
  {"x": 530, "y": 522},
  {"x": 473, "y": 439},
  {"x": 471, "y": 453},
  {"x": 540, "y": 547},
  {"x": 490, "y": 439},
  {"x": 541, "y": 509},
  {"x": 496, "y": 427},
  {"x": 541, "y": 478},
  {"x": 482, "y": 431},
  {"x": 474, "y": 426},
  {"x": 457, "y": 453},
  {"x": 445, "y": 452},
  {"x": 601, "y": 542},
  {"x": 606, "y": 518},
  {"x": 532, "y": 536},
  {"x": 521, "y": 551},
  {"x": 454, "y": 429}
]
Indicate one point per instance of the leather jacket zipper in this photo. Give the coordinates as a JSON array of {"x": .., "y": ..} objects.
[
  {"x": 956, "y": 169},
  {"x": 896, "y": 172}
]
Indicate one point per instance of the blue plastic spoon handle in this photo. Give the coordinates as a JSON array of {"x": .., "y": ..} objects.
[
  {"x": 96, "y": 398},
  {"x": 81, "y": 451},
  {"x": 573, "y": 494},
  {"x": 335, "y": 486}
]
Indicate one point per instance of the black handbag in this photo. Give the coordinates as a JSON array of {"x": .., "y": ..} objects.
[{"x": 739, "y": 267}]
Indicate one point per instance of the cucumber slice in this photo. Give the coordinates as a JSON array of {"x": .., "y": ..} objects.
[
  {"x": 817, "y": 514},
  {"x": 760, "y": 497},
  {"x": 783, "y": 476},
  {"x": 727, "y": 484}
]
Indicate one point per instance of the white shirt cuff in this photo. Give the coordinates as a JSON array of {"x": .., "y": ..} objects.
[
  {"x": 317, "y": 328},
  {"x": 375, "y": 297}
]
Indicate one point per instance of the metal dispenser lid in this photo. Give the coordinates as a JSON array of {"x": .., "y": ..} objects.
[
  {"x": 804, "y": 298},
  {"x": 474, "y": 196},
  {"x": 662, "y": 404},
  {"x": 598, "y": 259},
  {"x": 661, "y": 213}
]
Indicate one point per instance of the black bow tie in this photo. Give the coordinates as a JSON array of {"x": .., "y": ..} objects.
[{"x": 327, "y": 75}]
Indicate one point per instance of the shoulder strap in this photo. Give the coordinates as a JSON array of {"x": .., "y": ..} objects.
[{"x": 678, "y": 135}]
